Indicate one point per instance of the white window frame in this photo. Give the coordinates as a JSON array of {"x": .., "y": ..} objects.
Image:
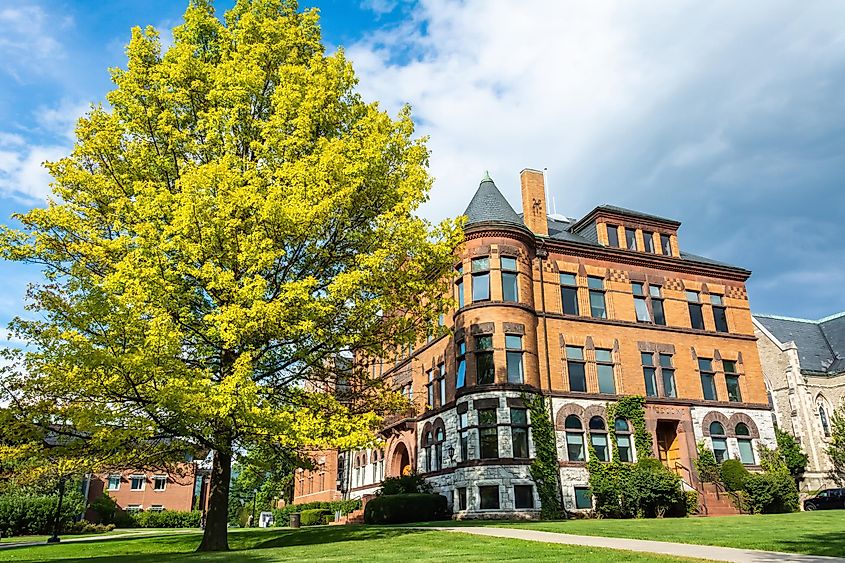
[
  {"x": 132, "y": 508},
  {"x": 108, "y": 483},
  {"x": 156, "y": 479},
  {"x": 143, "y": 479}
]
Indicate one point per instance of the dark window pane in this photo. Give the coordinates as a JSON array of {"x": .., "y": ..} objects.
[
  {"x": 641, "y": 309},
  {"x": 708, "y": 385},
  {"x": 572, "y": 421},
  {"x": 666, "y": 244},
  {"x": 648, "y": 239},
  {"x": 623, "y": 444},
  {"x": 519, "y": 416},
  {"x": 647, "y": 358},
  {"x": 734, "y": 393},
  {"x": 574, "y": 353},
  {"x": 696, "y": 319},
  {"x": 481, "y": 287},
  {"x": 729, "y": 366},
  {"x": 650, "y": 381},
  {"x": 489, "y": 438},
  {"x": 575, "y": 446},
  {"x": 720, "y": 449},
  {"x": 519, "y": 439},
  {"x": 568, "y": 279},
  {"x": 569, "y": 298},
  {"x": 515, "y": 374},
  {"x": 613, "y": 236},
  {"x": 669, "y": 383},
  {"x": 720, "y": 318},
  {"x": 595, "y": 282},
  {"x": 480, "y": 264},
  {"x": 523, "y": 496},
  {"x": 487, "y": 416},
  {"x": 462, "y": 498},
  {"x": 599, "y": 443},
  {"x": 489, "y": 497},
  {"x": 659, "y": 316},
  {"x": 583, "y": 497},
  {"x": 510, "y": 292},
  {"x": 508, "y": 263},
  {"x": 638, "y": 289},
  {"x": 485, "y": 372},
  {"x": 705, "y": 364},
  {"x": 631, "y": 239},
  {"x": 513, "y": 342},
  {"x": 716, "y": 429},
  {"x": 597, "y": 307},
  {"x": 741, "y": 429},
  {"x": 577, "y": 377},
  {"x": 746, "y": 452},
  {"x": 464, "y": 446},
  {"x": 459, "y": 289},
  {"x": 606, "y": 381},
  {"x": 461, "y": 377}
]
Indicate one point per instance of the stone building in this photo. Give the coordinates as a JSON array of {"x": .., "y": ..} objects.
[
  {"x": 583, "y": 311},
  {"x": 804, "y": 368}
]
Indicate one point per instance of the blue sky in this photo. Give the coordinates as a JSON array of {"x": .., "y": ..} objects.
[{"x": 726, "y": 116}]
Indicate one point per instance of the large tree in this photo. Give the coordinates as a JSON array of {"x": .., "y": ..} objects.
[
  {"x": 229, "y": 225},
  {"x": 836, "y": 446}
]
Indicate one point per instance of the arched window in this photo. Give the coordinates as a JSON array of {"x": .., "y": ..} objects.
[
  {"x": 743, "y": 440},
  {"x": 598, "y": 438},
  {"x": 574, "y": 438},
  {"x": 719, "y": 441},
  {"x": 439, "y": 436},
  {"x": 824, "y": 420},
  {"x": 623, "y": 440}
]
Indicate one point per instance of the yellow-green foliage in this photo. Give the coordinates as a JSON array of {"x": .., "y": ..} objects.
[{"x": 233, "y": 219}]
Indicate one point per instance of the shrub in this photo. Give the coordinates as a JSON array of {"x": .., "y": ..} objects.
[
  {"x": 32, "y": 514},
  {"x": 771, "y": 492},
  {"x": 691, "y": 498},
  {"x": 85, "y": 527},
  {"x": 314, "y": 517},
  {"x": 404, "y": 485},
  {"x": 105, "y": 508},
  {"x": 281, "y": 516},
  {"x": 167, "y": 519},
  {"x": 654, "y": 491},
  {"x": 706, "y": 465},
  {"x": 733, "y": 474},
  {"x": 401, "y": 509}
]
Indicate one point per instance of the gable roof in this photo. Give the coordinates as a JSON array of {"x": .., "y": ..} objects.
[
  {"x": 821, "y": 344},
  {"x": 489, "y": 205}
]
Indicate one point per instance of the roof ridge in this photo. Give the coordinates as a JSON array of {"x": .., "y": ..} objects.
[
  {"x": 831, "y": 317},
  {"x": 784, "y": 318}
]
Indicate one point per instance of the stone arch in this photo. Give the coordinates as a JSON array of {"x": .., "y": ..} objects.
[
  {"x": 714, "y": 416},
  {"x": 400, "y": 460},
  {"x": 745, "y": 419},
  {"x": 428, "y": 428},
  {"x": 567, "y": 410},
  {"x": 595, "y": 410}
]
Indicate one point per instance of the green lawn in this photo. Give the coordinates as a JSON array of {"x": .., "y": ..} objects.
[
  {"x": 118, "y": 531},
  {"x": 323, "y": 543},
  {"x": 814, "y": 533}
]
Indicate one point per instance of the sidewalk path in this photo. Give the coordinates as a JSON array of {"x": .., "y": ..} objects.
[
  {"x": 714, "y": 553},
  {"x": 71, "y": 539}
]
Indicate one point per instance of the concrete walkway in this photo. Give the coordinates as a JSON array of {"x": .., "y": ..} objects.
[{"x": 713, "y": 553}]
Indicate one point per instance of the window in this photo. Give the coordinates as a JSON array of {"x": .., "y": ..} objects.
[
  {"x": 488, "y": 433},
  {"x": 823, "y": 419},
  {"x": 720, "y": 316},
  {"x": 708, "y": 379},
  {"x": 523, "y": 496},
  {"x": 657, "y": 304},
  {"x": 439, "y": 436},
  {"x": 667, "y": 375},
  {"x": 732, "y": 381},
  {"x": 133, "y": 508},
  {"x": 519, "y": 432},
  {"x": 630, "y": 239},
  {"x": 485, "y": 372},
  {"x": 719, "y": 440},
  {"x": 598, "y": 438},
  {"x": 574, "y": 438},
  {"x": 428, "y": 443},
  {"x": 510, "y": 289},
  {"x": 583, "y": 497},
  {"x": 460, "y": 364},
  {"x": 513, "y": 347},
  {"x": 429, "y": 389},
  {"x": 613, "y": 236},
  {"x": 157, "y": 508},
  {"x": 114, "y": 482},
  {"x": 623, "y": 440},
  {"x": 463, "y": 435},
  {"x": 743, "y": 440},
  {"x": 648, "y": 239},
  {"x": 489, "y": 495},
  {"x": 575, "y": 368},
  {"x": 640, "y": 305},
  {"x": 136, "y": 483},
  {"x": 604, "y": 367},
  {"x": 441, "y": 384},
  {"x": 462, "y": 498},
  {"x": 696, "y": 318},
  {"x": 597, "y": 306},
  {"x": 666, "y": 244},
  {"x": 459, "y": 286},
  {"x": 480, "y": 279},
  {"x": 649, "y": 373},
  {"x": 569, "y": 294},
  {"x": 159, "y": 482}
]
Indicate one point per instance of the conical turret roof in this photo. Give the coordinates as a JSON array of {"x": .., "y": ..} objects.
[{"x": 489, "y": 205}]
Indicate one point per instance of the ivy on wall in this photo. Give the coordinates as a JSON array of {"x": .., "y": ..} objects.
[
  {"x": 545, "y": 469},
  {"x": 632, "y": 408}
]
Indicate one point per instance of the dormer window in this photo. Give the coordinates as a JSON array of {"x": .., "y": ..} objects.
[
  {"x": 630, "y": 238},
  {"x": 648, "y": 239},
  {"x": 613, "y": 236},
  {"x": 666, "y": 244}
]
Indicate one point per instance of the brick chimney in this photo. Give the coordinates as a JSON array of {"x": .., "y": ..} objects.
[{"x": 534, "y": 201}]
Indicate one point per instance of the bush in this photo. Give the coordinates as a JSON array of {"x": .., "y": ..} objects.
[
  {"x": 404, "y": 485},
  {"x": 167, "y": 519},
  {"x": 31, "y": 514},
  {"x": 314, "y": 516},
  {"x": 654, "y": 491},
  {"x": 105, "y": 508},
  {"x": 733, "y": 474},
  {"x": 281, "y": 516},
  {"x": 404, "y": 508},
  {"x": 706, "y": 465},
  {"x": 691, "y": 502},
  {"x": 85, "y": 527},
  {"x": 770, "y": 493}
]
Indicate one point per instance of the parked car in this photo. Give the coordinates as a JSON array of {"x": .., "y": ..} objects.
[{"x": 828, "y": 498}]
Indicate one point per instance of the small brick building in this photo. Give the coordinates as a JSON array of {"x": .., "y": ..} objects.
[{"x": 583, "y": 311}]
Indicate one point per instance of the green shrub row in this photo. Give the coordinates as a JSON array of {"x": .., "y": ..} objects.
[
  {"x": 31, "y": 514},
  {"x": 281, "y": 516},
  {"x": 316, "y": 516},
  {"x": 164, "y": 519},
  {"x": 404, "y": 508}
]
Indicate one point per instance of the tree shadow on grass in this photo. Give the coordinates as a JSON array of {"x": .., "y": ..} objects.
[{"x": 824, "y": 543}]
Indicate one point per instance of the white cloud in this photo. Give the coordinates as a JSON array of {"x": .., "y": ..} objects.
[
  {"x": 379, "y": 6},
  {"x": 28, "y": 39}
]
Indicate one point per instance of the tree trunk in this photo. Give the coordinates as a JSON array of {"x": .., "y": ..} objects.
[{"x": 214, "y": 537}]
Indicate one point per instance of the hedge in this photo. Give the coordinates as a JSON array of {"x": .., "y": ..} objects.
[
  {"x": 166, "y": 519},
  {"x": 30, "y": 514},
  {"x": 281, "y": 516},
  {"x": 770, "y": 493},
  {"x": 734, "y": 474},
  {"x": 401, "y": 509},
  {"x": 315, "y": 517}
]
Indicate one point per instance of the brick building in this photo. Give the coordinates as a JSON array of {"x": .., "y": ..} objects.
[
  {"x": 804, "y": 368},
  {"x": 583, "y": 311},
  {"x": 185, "y": 488}
]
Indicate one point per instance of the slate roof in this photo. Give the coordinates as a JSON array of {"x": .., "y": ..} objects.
[
  {"x": 632, "y": 213},
  {"x": 489, "y": 205},
  {"x": 821, "y": 343}
]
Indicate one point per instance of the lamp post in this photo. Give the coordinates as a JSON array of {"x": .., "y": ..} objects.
[
  {"x": 57, "y": 519},
  {"x": 452, "y": 453},
  {"x": 254, "y": 493}
]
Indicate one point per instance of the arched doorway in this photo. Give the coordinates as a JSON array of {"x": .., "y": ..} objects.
[{"x": 400, "y": 463}]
